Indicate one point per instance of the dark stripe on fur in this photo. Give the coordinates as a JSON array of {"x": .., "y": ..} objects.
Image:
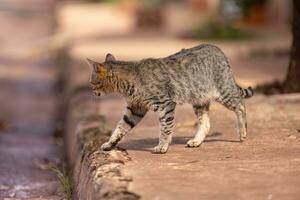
[
  {"x": 169, "y": 111},
  {"x": 135, "y": 114},
  {"x": 248, "y": 92},
  {"x": 116, "y": 141},
  {"x": 169, "y": 119},
  {"x": 127, "y": 120},
  {"x": 170, "y": 123},
  {"x": 167, "y": 132},
  {"x": 225, "y": 96},
  {"x": 162, "y": 102}
]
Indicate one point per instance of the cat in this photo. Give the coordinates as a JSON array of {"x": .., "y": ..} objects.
[{"x": 197, "y": 76}]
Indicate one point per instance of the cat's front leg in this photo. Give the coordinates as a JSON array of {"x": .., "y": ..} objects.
[
  {"x": 131, "y": 118},
  {"x": 166, "y": 120}
]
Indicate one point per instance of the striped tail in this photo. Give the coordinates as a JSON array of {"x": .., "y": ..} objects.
[{"x": 246, "y": 93}]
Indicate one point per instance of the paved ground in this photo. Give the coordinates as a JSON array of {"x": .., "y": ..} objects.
[
  {"x": 27, "y": 103},
  {"x": 265, "y": 166}
]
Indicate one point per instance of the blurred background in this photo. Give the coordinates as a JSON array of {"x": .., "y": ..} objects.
[
  {"x": 254, "y": 34},
  {"x": 38, "y": 39}
]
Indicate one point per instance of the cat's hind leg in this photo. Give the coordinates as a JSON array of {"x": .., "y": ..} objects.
[
  {"x": 201, "y": 112},
  {"x": 236, "y": 105},
  {"x": 134, "y": 114}
]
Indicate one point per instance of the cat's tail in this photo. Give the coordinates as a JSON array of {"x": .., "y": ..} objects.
[{"x": 246, "y": 93}]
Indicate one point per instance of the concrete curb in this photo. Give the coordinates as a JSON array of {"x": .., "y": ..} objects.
[{"x": 96, "y": 174}]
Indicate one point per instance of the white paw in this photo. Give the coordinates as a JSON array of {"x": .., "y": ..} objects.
[
  {"x": 160, "y": 149},
  {"x": 107, "y": 146},
  {"x": 193, "y": 143},
  {"x": 243, "y": 137}
]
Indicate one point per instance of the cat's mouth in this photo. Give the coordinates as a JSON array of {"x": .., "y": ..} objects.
[
  {"x": 95, "y": 89},
  {"x": 97, "y": 93}
]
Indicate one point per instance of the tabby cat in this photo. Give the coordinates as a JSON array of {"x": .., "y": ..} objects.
[{"x": 198, "y": 76}]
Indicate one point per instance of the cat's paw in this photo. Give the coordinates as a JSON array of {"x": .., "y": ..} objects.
[
  {"x": 107, "y": 146},
  {"x": 242, "y": 138},
  {"x": 193, "y": 143},
  {"x": 160, "y": 149}
]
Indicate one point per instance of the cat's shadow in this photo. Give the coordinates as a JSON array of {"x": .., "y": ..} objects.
[{"x": 146, "y": 144}]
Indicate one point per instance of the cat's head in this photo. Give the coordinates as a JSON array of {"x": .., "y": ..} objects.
[{"x": 101, "y": 75}]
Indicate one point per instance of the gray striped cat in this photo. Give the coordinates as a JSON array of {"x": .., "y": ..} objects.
[{"x": 198, "y": 76}]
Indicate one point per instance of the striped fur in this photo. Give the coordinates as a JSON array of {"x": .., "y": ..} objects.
[
  {"x": 247, "y": 93},
  {"x": 197, "y": 76}
]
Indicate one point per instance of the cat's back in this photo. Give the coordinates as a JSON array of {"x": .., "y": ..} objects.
[
  {"x": 198, "y": 63},
  {"x": 198, "y": 53},
  {"x": 201, "y": 51},
  {"x": 151, "y": 73}
]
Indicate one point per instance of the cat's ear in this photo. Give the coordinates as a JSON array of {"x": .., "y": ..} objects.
[
  {"x": 94, "y": 66},
  {"x": 98, "y": 68},
  {"x": 109, "y": 57}
]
